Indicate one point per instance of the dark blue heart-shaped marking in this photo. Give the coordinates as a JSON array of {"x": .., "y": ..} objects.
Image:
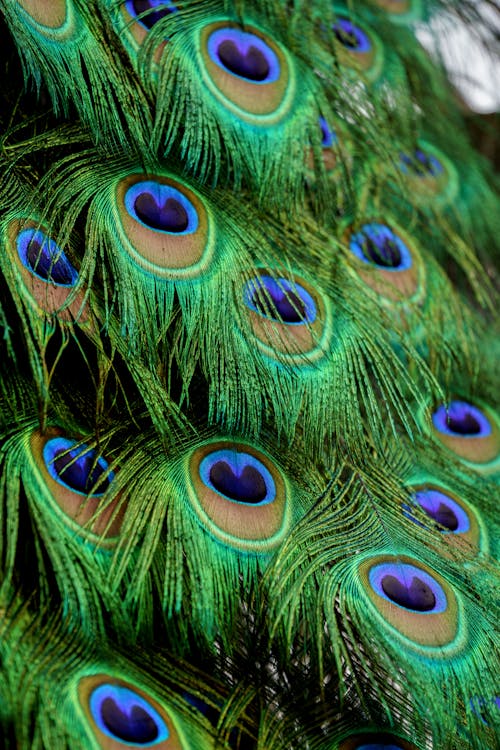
[
  {"x": 417, "y": 596},
  {"x": 290, "y": 308},
  {"x": 48, "y": 265},
  {"x": 378, "y": 244},
  {"x": 461, "y": 419},
  {"x": 168, "y": 216},
  {"x": 444, "y": 516},
  {"x": 250, "y": 63},
  {"x": 463, "y": 423},
  {"x": 442, "y": 508},
  {"x": 80, "y": 472},
  {"x": 279, "y": 300},
  {"x": 248, "y": 486},
  {"x": 132, "y": 726},
  {"x": 383, "y": 251}
]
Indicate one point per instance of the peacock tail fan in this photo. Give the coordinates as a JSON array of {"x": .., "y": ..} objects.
[{"x": 249, "y": 415}]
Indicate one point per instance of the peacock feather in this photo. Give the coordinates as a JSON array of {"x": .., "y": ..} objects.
[{"x": 249, "y": 416}]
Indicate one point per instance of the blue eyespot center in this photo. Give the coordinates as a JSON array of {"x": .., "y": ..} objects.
[
  {"x": 124, "y": 715},
  {"x": 408, "y": 587},
  {"x": 379, "y": 245},
  {"x": 137, "y": 7},
  {"x": 442, "y": 509},
  {"x": 161, "y": 207},
  {"x": 351, "y": 36},
  {"x": 281, "y": 300},
  {"x": 421, "y": 163},
  {"x": 238, "y": 476},
  {"x": 80, "y": 469},
  {"x": 244, "y": 54},
  {"x": 44, "y": 258},
  {"x": 328, "y": 135},
  {"x": 416, "y": 595},
  {"x": 461, "y": 419}
]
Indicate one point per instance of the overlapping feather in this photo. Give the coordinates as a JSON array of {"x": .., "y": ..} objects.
[{"x": 249, "y": 424}]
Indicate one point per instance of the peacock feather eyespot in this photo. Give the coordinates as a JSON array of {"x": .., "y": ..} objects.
[
  {"x": 412, "y": 599},
  {"x": 238, "y": 494},
  {"x": 461, "y": 419},
  {"x": 51, "y": 14},
  {"x": 244, "y": 54},
  {"x": 246, "y": 70},
  {"x": 122, "y": 715},
  {"x": 447, "y": 513},
  {"x": 76, "y": 466},
  {"x": 472, "y": 433},
  {"x": 238, "y": 476},
  {"x": 167, "y": 228},
  {"x": 375, "y": 741},
  {"x": 351, "y": 36},
  {"x": 358, "y": 45},
  {"x": 421, "y": 163},
  {"x": 380, "y": 245},
  {"x": 76, "y": 479},
  {"x": 139, "y": 17},
  {"x": 429, "y": 174},
  {"x": 149, "y": 12},
  {"x": 280, "y": 300},
  {"x": 396, "y": 270},
  {"x": 408, "y": 586},
  {"x": 43, "y": 257},
  {"x": 49, "y": 279},
  {"x": 161, "y": 207},
  {"x": 287, "y": 316}
]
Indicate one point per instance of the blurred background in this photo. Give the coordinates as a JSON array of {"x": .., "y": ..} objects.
[{"x": 473, "y": 69}]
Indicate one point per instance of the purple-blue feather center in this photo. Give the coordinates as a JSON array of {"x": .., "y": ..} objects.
[
  {"x": 132, "y": 725},
  {"x": 351, "y": 36},
  {"x": 408, "y": 586},
  {"x": 443, "y": 515},
  {"x": 126, "y": 716},
  {"x": 416, "y": 594},
  {"x": 150, "y": 19},
  {"x": 167, "y": 216},
  {"x": 382, "y": 250},
  {"x": 464, "y": 424},
  {"x": 378, "y": 244},
  {"x": 247, "y": 486},
  {"x": 245, "y": 55},
  {"x": 47, "y": 265},
  {"x": 289, "y": 306},
  {"x": 248, "y": 63},
  {"x": 80, "y": 472},
  {"x": 461, "y": 419}
]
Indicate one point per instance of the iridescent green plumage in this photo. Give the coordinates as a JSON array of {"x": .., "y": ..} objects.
[{"x": 249, "y": 422}]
